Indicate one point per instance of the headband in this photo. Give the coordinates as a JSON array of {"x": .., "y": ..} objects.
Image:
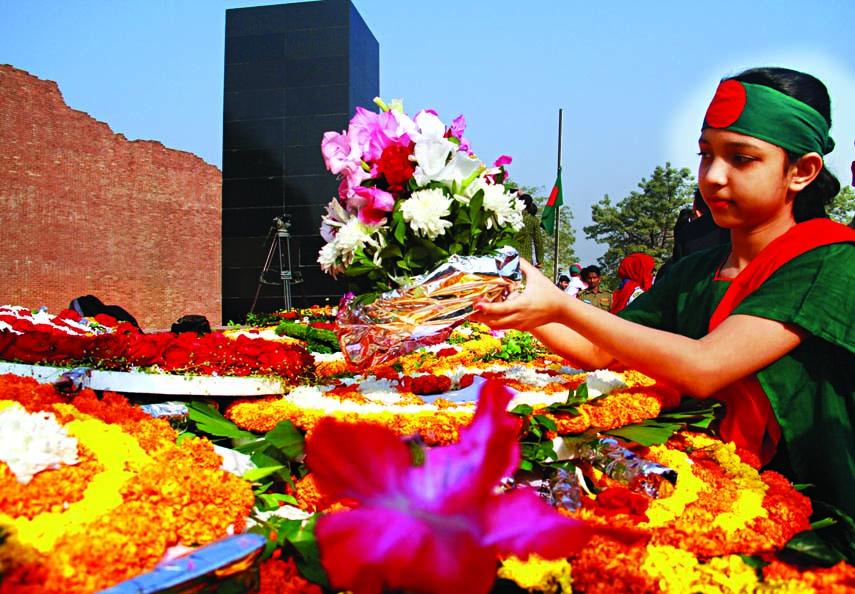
[{"x": 767, "y": 114}]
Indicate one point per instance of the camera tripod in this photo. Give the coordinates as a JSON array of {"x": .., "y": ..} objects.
[{"x": 280, "y": 230}]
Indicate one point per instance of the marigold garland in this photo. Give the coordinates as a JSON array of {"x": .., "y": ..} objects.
[{"x": 141, "y": 493}]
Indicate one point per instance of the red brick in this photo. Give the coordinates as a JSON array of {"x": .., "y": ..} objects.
[{"x": 86, "y": 211}]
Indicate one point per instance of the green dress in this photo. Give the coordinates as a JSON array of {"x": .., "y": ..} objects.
[{"x": 812, "y": 388}]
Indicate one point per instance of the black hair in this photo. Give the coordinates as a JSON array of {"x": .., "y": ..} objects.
[
  {"x": 530, "y": 206},
  {"x": 810, "y": 203},
  {"x": 683, "y": 218},
  {"x": 563, "y": 278},
  {"x": 595, "y": 269},
  {"x": 699, "y": 203}
]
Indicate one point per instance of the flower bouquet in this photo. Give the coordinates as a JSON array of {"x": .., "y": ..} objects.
[{"x": 421, "y": 227}]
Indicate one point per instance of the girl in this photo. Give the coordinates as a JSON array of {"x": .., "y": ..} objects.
[
  {"x": 636, "y": 276},
  {"x": 764, "y": 324}
]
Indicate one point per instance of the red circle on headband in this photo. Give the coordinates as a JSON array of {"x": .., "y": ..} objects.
[{"x": 727, "y": 105}]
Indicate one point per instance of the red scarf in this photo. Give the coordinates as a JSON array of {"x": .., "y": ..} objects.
[
  {"x": 636, "y": 270},
  {"x": 750, "y": 421}
]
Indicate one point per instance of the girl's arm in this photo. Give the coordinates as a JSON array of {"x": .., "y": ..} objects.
[{"x": 593, "y": 338}]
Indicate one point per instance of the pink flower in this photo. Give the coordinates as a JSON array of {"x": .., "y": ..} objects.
[
  {"x": 502, "y": 161},
  {"x": 373, "y": 132},
  {"x": 434, "y": 528},
  {"x": 372, "y": 204},
  {"x": 458, "y": 126},
  {"x": 340, "y": 154}
]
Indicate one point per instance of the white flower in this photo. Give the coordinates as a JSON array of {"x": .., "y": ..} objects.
[
  {"x": 461, "y": 167},
  {"x": 338, "y": 254},
  {"x": 432, "y": 149},
  {"x": 424, "y": 211},
  {"x": 328, "y": 257},
  {"x": 602, "y": 382},
  {"x": 33, "y": 442},
  {"x": 505, "y": 207}
]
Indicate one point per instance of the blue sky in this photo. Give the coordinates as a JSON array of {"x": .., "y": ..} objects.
[{"x": 633, "y": 78}]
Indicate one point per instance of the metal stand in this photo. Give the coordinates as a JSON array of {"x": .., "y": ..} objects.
[{"x": 280, "y": 230}]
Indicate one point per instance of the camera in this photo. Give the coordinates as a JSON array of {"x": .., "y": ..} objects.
[{"x": 282, "y": 223}]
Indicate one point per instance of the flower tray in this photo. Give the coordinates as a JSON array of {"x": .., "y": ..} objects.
[{"x": 138, "y": 382}]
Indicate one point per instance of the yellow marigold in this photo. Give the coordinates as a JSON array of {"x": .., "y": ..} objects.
[
  {"x": 115, "y": 451},
  {"x": 330, "y": 368},
  {"x": 680, "y": 572},
  {"x": 537, "y": 574},
  {"x": 838, "y": 579},
  {"x": 748, "y": 485},
  {"x": 689, "y": 488}
]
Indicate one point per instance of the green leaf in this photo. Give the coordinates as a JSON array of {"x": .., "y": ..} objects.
[
  {"x": 287, "y": 438},
  {"x": 255, "y": 474},
  {"x": 808, "y": 548},
  {"x": 645, "y": 433},
  {"x": 546, "y": 422},
  {"x": 209, "y": 420},
  {"x": 522, "y": 410},
  {"x": 273, "y": 501}
]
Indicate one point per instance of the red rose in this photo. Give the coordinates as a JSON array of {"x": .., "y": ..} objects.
[{"x": 395, "y": 165}]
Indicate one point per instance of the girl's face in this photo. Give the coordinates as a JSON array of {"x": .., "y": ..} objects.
[{"x": 744, "y": 180}]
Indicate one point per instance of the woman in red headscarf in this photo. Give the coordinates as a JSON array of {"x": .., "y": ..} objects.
[{"x": 636, "y": 276}]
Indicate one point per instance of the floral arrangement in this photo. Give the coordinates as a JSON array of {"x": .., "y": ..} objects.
[
  {"x": 101, "y": 476},
  {"x": 720, "y": 529},
  {"x": 69, "y": 339},
  {"x": 412, "y": 194}
]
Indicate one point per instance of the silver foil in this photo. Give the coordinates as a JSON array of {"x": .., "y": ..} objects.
[
  {"x": 426, "y": 310},
  {"x": 626, "y": 467}
]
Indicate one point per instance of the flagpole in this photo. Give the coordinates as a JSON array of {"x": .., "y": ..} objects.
[{"x": 558, "y": 209}]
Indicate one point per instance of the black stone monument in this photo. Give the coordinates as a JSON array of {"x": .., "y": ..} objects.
[{"x": 292, "y": 72}]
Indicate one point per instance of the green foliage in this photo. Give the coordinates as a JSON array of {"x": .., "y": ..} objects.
[
  {"x": 842, "y": 208},
  {"x": 830, "y": 540},
  {"x": 319, "y": 340},
  {"x": 644, "y": 220},
  {"x": 517, "y": 346},
  {"x": 406, "y": 255},
  {"x": 692, "y": 414}
]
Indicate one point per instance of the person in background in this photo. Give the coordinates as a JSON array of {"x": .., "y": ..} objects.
[
  {"x": 576, "y": 282},
  {"x": 563, "y": 282},
  {"x": 636, "y": 277},
  {"x": 595, "y": 294},
  {"x": 531, "y": 244},
  {"x": 747, "y": 323},
  {"x": 699, "y": 233}
]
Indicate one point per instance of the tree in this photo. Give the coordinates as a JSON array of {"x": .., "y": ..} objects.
[
  {"x": 644, "y": 220},
  {"x": 842, "y": 208},
  {"x": 566, "y": 235}
]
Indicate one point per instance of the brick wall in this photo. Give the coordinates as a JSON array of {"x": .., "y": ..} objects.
[{"x": 86, "y": 211}]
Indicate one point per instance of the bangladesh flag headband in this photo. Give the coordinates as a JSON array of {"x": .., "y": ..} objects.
[{"x": 767, "y": 114}]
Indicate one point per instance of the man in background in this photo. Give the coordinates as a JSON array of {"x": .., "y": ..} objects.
[{"x": 595, "y": 294}]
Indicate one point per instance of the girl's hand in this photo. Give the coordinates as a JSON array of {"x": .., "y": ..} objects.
[{"x": 539, "y": 304}]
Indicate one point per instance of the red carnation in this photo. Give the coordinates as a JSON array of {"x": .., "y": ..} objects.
[
  {"x": 395, "y": 165},
  {"x": 426, "y": 385}
]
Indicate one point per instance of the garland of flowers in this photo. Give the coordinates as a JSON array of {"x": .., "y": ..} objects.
[
  {"x": 131, "y": 477},
  {"x": 68, "y": 339}
]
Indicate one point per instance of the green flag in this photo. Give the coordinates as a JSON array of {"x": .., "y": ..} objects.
[{"x": 550, "y": 211}]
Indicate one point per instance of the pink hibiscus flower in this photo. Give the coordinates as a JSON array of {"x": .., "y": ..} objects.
[{"x": 437, "y": 527}]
